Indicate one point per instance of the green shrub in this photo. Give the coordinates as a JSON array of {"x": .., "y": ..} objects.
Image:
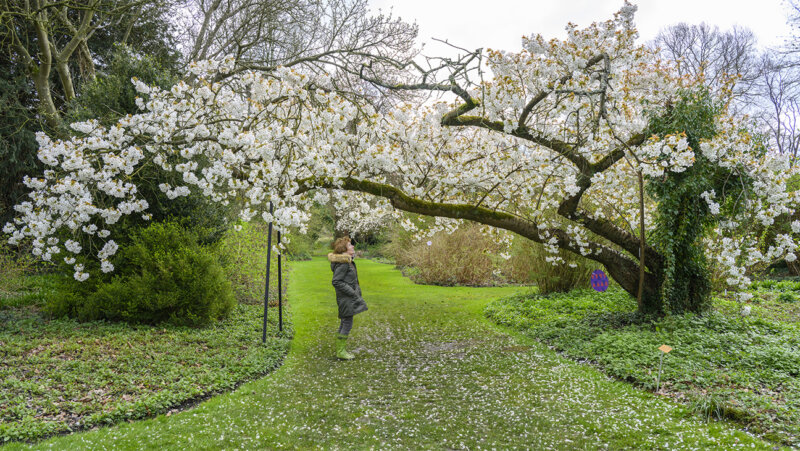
[
  {"x": 767, "y": 284},
  {"x": 787, "y": 297},
  {"x": 243, "y": 255},
  {"x": 14, "y": 266},
  {"x": 775, "y": 285},
  {"x": 112, "y": 94},
  {"x": 373, "y": 246},
  {"x": 300, "y": 247},
  {"x": 164, "y": 274}
]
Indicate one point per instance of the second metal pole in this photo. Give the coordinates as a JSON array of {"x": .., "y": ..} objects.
[
  {"x": 266, "y": 284},
  {"x": 280, "y": 291}
]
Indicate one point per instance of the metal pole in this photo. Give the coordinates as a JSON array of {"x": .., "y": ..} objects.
[
  {"x": 658, "y": 383},
  {"x": 641, "y": 243},
  {"x": 280, "y": 291},
  {"x": 266, "y": 284}
]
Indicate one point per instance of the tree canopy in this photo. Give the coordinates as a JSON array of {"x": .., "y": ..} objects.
[{"x": 553, "y": 144}]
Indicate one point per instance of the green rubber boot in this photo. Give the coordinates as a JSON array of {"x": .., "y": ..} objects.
[{"x": 341, "y": 348}]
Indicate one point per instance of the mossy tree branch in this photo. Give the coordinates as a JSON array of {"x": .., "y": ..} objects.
[{"x": 623, "y": 269}]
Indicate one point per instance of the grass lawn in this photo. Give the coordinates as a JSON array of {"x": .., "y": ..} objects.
[{"x": 430, "y": 373}]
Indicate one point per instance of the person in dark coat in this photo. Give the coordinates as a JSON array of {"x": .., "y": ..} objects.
[{"x": 348, "y": 291}]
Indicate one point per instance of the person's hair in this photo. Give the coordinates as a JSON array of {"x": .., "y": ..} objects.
[{"x": 340, "y": 245}]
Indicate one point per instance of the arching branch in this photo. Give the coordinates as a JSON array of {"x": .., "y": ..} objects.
[{"x": 619, "y": 266}]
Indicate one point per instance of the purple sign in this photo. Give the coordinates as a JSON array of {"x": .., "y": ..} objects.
[{"x": 599, "y": 281}]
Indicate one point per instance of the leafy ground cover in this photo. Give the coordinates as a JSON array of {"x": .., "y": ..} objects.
[
  {"x": 431, "y": 372},
  {"x": 60, "y": 375},
  {"x": 772, "y": 299},
  {"x": 723, "y": 364}
]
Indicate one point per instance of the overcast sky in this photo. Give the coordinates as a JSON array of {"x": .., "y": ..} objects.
[{"x": 499, "y": 24}]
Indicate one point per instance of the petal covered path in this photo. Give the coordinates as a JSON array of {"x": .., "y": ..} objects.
[{"x": 430, "y": 373}]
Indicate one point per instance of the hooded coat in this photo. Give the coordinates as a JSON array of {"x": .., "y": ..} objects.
[{"x": 345, "y": 281}]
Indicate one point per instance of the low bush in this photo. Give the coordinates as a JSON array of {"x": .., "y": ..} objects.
[
  {"x": 775, "y": 285},
  {"x": 528, "y": 264},
  {"x": 787, "y": 297},
  {"x": 722, "y": 364},
  {"x": 374, "y": 246},
  {"x": 14, "y": 266},
  {"x": 31, "y": 291},
  {"x": 300, "y": 247},
  {"x": 469, "y": 257},
  {"x": 162, "y": 275},
  {"x": 464, "y": 257},
  {"x": 242, "y": 251}
]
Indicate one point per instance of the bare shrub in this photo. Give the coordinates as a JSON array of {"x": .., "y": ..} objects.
[
  {"x": 528, "y": 265},
  {"x": 464, "y": 257}
]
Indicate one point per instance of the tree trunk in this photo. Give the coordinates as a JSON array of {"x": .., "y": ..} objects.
[
  {"x": 66, "y": 80},
  {"x": 41, "y": 72},
  {"x": 794, "y": 268},
  {"x": 629, "y": 281},
  {"x": 85, "y": 62},
  {"x": 46, "y": 105}
]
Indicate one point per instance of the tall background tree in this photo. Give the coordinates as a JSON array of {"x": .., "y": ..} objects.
[{"x": 50, "y": 51}]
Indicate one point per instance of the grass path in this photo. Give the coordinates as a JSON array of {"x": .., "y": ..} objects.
[{"x": 430, "y": 373}]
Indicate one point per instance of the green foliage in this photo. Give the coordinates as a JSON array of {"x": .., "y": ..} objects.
[
  {"x": 18, "y": 127},
  {"x": 152, "y": 33},
  {"x": 526, "y": 310},
  {"x": 30, "y": 290},
  {"x": 112, "y": 95},
  {"x": 375, "y": 249},
  {"x": 775, "y": 285},
  {"x": 163, "y": 275},
  {"x": 767, "y": 284},
  {"x": 243, "y": 256},
  {"x": 61, "y": 375},
  {"x": 301, "y": 245},
  {"x": 722, "y": 364},
  {"x": 682, "y": 218},
  {"x": 15, "y": 266}
]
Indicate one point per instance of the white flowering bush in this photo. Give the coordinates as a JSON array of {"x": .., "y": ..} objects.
[{"x": 550, "y": 147}]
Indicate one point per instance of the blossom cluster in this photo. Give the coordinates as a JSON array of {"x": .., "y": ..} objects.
[{"x": 268, "y": 139}]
